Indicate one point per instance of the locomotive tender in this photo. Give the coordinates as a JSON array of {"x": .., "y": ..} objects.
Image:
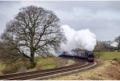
[{"x": 80, "y": 54}]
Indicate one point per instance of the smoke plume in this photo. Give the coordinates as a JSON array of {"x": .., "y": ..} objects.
[
  {"x": 114, "y": 44},
  {"x": 83, "y": 39}
]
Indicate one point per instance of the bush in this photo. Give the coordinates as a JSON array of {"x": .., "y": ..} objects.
[
  {"x": 10, "y": 68},
  {"x": 23, "y": 62},
  {"x": 14, "y": 67}
]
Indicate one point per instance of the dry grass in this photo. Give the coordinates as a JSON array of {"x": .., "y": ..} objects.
[
  {"x": 70, "y": 62},
  {"x": 109, "y": 70},
  {"x": 52, "y": 62},
  {"x": 16, "y": 66},
  {"x": 22, "y": 65}
]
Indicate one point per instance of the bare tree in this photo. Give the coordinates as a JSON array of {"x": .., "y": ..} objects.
[
  {"x": 34, "y": 31},
  {"x": 7, "y": 53},
  {"x": 104, "y": 46},
  {"x": 118, "y": 41}
]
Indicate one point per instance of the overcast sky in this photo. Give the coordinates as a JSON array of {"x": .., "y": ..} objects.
[{"x": 102, "y": 18}]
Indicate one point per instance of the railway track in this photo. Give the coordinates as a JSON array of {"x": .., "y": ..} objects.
[{"x": 46, "y": 73}]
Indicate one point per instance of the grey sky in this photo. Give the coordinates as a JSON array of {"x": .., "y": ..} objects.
[{"x": 102, "y": 18}]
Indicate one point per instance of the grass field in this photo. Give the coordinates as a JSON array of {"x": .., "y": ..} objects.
[
  {"x": 50, "y": 62},
  {"x": 42, "y": 63},
  {"x": 2, "y": 66},
  {"x": 107, "y": 55},
  {"x": 107, "y": 69},
  {"x": 45, "y": 63}
]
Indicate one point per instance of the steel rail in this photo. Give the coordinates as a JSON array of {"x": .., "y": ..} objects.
[
  {"x": 32, "y": 72},
  {"x": 67, "y": 72},
  {"x": 45, "y": 73}
]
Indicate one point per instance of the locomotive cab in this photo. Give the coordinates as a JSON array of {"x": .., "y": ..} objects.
[{"x": 90, "y": 57}]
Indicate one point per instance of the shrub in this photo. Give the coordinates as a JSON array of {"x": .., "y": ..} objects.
[{"x": 10, "y": 68}]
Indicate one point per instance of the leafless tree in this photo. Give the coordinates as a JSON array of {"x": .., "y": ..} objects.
[
  {"x": 117, "y": 39},
  {"x": 34, "y": 31},
  {"x": 7, "y": 52}
]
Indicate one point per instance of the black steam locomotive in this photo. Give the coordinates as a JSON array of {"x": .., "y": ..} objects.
[{"x": 79, "y": 54}]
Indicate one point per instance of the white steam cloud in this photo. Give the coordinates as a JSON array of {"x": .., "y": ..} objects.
[
  {"x": 114, "y": 44},
  {"x": 83, "y": 39}
]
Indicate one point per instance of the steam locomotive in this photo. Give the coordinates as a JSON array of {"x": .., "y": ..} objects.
[{"x": 79, "y": 54}]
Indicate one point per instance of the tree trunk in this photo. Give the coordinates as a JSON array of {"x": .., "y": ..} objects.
[
  {"x": 32, "y": 60},
  {"x": 119, "y": 47},
  {"x": 33, "y": 63}
]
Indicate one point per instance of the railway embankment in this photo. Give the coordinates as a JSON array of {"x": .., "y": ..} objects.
[
  {"x": 106, "y": 70},
  {"x": 45, "y": 73},
  {"x": 42, "y": 64}
]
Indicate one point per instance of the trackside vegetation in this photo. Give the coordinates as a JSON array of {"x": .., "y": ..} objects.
[
  {"x": 42, "y": 63},
  {"x": 108, "y": 55}
]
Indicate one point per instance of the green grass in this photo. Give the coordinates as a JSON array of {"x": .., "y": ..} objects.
[
  {"x": 51, "y": 66},
  {"x": 45, "y": 63},
  {"x": 2, "y": 66},
  {"x": 42, "y": 64},
  {"x": 107, "y": 55}
]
